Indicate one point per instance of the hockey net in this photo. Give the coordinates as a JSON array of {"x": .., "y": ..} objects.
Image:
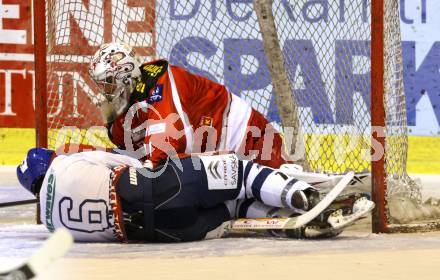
[{"x": 326, "y": 54}]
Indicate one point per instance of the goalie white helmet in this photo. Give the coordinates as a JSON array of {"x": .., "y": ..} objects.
[{"x": 114, "y": 68}]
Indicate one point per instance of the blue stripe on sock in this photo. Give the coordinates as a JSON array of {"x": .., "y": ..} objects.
[
  {"x": 258, "y": 182},
  {"x": 246, "y": 171},
  {"x": 285, "y": 191},
  {"x": 242, "y": 211}
]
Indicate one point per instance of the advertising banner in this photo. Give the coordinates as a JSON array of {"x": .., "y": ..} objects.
[{"x": 420, "y": 49}]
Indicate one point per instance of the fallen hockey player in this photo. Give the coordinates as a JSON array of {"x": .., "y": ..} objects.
[{"x": 101, "y": 197}]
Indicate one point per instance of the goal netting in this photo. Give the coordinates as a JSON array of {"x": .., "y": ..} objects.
[{"x": 326, "y": 55}]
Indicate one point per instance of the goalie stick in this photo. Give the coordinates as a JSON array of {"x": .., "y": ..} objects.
[
  {"x": 294, "y": 222},
  {"x": 17, "y": 203},
  {"x": 54, "y": 248}
]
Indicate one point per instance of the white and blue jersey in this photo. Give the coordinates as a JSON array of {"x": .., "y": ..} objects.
[{"x": 75, "y": 194}]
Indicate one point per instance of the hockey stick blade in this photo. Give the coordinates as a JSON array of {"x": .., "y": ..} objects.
[
  {"x": 17, "y": 203},
  {"x": 54, "y": 248},
  {"x": 298, "y": 221}
]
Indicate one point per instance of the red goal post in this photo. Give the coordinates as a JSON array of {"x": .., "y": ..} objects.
[
  {"x": 40, "y": 73},
  {"x": 344, "y": 93},
  {"x": 378, "y": 181}
]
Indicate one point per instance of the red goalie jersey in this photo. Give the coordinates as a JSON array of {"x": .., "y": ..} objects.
[{"x": 174, "y": 111}]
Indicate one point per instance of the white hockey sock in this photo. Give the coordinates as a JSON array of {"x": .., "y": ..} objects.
[
  {"x": 270, "y": 186},
  {"x": 255, "y": 209}
]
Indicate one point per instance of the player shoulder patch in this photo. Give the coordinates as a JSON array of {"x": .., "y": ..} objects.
[
  {"x": 155, "y": 69},
  {"x": 151, "y": 72},
  {"x": 156, "y": 94}
]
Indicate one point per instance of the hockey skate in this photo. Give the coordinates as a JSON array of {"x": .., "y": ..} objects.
[
  {"x": 308, "y": 198},
  {"x": 305, "y": 199},
  {"x": 342, "y": 213}
]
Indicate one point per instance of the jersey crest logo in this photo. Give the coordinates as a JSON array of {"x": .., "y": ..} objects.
[
  {"x": 205, "y": 121},
  {"x": 156, "y": 94},
  {"x": 133, "y": 176}
]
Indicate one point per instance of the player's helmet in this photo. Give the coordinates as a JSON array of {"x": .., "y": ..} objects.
[
  {"x": 32, "y": 170},
  {"x": 114, "y": 68}
]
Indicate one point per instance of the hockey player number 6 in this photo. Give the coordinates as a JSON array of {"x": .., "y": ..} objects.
[{"x": 90, "y": 216}]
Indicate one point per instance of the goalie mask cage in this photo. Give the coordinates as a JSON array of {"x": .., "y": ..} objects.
[{"x": 335, "y": 53}]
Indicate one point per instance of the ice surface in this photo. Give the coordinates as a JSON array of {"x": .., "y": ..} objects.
[
  {"x": 20, "y": 237},
  {"x": 19, "y": 241}
]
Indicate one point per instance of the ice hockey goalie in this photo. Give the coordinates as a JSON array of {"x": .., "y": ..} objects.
[{"x": 161, "y": 110}]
